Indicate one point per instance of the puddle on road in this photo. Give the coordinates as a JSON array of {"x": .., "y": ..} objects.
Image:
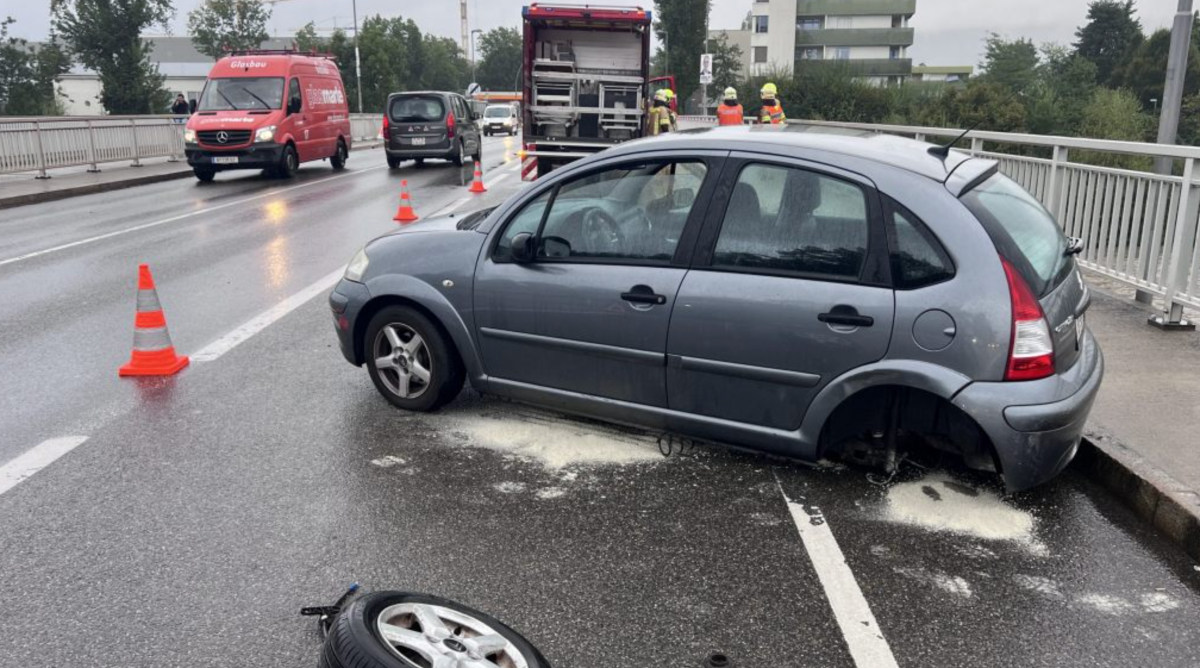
[{"x": 939, "y": 503}]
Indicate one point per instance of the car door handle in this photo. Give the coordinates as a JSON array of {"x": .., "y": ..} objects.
[
  {"x": 846, "y": 315},
  {"x": 643, "y": 294}
]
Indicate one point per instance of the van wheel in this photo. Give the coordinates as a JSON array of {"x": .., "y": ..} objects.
[
  {"x": 459, "y": 155},
  {"x": 339, "y": 156},
  {"x": 393, "y": 162},
  {"x": 287, "y": 163},
  {"x": 419, "y": 162},
  {"x": 205, "y": 175}
]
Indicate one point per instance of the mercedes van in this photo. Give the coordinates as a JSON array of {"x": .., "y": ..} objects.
[{"x": 269, "y": 110}]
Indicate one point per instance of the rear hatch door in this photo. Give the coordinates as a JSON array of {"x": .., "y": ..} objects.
[{"x": 417, "y": 121}]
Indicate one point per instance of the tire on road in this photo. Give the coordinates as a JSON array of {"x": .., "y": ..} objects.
[
  {"x": 288, "y": 162},
  {"x": 459, "y": 155},
  {"x": 435, "y": 354},
  {"x": 205, "y": 175},
  {"x": 338, "y": 161},
  {"x": 355, "y": 639},
  {"x": 393, "y": 162}
]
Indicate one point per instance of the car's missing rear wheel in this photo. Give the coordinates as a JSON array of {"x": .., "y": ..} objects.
[
  {"x": 410, "y": 360},
  {"x": 399, "y": 630}
]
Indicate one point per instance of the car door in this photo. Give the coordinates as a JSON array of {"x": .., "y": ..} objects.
[
  {"x": 469, "y": 127},
  {"x": 304, "y": 132},
  {"x": 589, "y": 313},
  {"x": 789, "y": 290}
]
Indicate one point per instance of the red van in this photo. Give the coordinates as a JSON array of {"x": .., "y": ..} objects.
[{"x": 269, "y": 110}]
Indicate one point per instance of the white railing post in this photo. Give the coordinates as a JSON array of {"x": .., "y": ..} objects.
[
  {"x": 1054, "y": 199},
  {"x": 37, "y": 130},
  {"x": 136, "y": 149},
  {"x": 976, "y": 146},
  {"x": 1179, "y": 263},
  {"x": 91, "y": 130}
]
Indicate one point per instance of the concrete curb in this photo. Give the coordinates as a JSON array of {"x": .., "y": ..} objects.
[
  {"x": 92, "y": 188},
  {"x": 1160, "y": 500}
]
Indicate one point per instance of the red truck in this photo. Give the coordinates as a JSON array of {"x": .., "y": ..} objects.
[{"x": 586, "y": 81}]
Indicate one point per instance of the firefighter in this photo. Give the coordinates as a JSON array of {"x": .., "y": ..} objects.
[
  {"x": 658, "y": 119},
  {"x": 772, "y": 111},
  {"x": 729, "y": 112},
  {"x": 671, "y": 111}
]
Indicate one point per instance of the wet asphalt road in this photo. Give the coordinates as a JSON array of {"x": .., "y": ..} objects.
[{"x": 204, "y": 509}]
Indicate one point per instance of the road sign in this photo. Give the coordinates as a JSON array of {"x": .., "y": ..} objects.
[
  {"x": 706, "y": 68},
  {"x": 472, "y": 89}
]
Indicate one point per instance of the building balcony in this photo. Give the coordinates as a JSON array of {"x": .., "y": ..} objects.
[
  {"x": 855, "y": 37},
  {"x": 865, "y": 67},
  {"x": 854, "y": 7}
]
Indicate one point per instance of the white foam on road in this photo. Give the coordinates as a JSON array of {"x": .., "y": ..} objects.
[
  {"x": 951, "y": 584},
  {"x": 938, "y": 503},
  {"x": 35, "y": 459}
]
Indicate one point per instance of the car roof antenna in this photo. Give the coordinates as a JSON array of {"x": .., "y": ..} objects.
[{"x": 943, "y": 152}]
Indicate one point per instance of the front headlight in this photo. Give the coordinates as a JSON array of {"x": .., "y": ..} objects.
[
  {"x": 189, "y": 136},
  {"x": 354, "y": 270},
  {"x": 265, "y": 134}
]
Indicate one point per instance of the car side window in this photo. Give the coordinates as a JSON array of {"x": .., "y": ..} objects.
[
  {"x": 632, "y": 211},
  {"x": 785, "y": 219},
  {"x": 294, "y": 92},
  {"x": 527, "y": 220},
  {"x": 917, "y": 258}
]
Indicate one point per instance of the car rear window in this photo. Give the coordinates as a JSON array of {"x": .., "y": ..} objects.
[
  {"x": 1023, "y": 231},
  {"x": 417, "y": 109}
]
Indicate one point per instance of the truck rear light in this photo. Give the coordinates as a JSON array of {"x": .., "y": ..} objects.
[
  {"x": 450, "y": 125},
  {"x": 1031, "y": 351}
]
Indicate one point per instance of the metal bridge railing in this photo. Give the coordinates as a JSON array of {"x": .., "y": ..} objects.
[{"x": 41, "y": 143}]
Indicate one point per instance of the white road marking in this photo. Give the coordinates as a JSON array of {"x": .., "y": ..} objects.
[
  {"x": 868, "y": 647},
  {"x": 35, "y": 459},
  {"x": 450, "y": 208},
  {"x": 261, "y": 321},
  {"x": 172, "y": 219}
]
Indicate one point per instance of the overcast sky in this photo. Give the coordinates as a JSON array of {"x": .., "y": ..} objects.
[{"x": 948, "y": 32}]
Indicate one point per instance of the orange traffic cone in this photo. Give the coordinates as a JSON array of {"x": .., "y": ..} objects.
[
  {"x": 405, "y": 213},
  {"x": 153, "y": 354},
  {"x": 477, "y": 184}
]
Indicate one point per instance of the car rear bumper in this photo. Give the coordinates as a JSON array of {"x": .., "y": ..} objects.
[
  {"x": 346, "y": 302},
  {"x": 1035, "y": 426},
  {"x": 255, "y": 156}
]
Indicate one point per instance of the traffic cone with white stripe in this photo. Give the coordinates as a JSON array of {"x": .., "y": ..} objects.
[
  {"x": 153, "y": 354},
  {"x": 405, "y": 213},
  {"x": 477, "y": 184}
]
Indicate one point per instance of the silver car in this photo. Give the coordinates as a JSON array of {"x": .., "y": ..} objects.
[{"x": 808, "y": 294}]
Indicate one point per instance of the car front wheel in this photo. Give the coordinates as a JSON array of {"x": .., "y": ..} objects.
[{"x": 411, "y": 362}]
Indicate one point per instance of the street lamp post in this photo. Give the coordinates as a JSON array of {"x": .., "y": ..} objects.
[
  {"x": 473, "y": 33},
  {"x": 357, "y": 59}
]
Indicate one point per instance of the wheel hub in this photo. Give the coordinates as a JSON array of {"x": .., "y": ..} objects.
[{"x": 454, "y": 645}]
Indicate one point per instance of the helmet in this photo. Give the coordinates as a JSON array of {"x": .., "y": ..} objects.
[
  {"x": 731, "y": 93},
  {"x": 769, "y": 90},
  {"x": 670, "y": 93},
  {"x": 662, "y": 95}
]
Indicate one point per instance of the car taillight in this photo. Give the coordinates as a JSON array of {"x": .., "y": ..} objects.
[
  {"x": 450, "y": 125},
  {"x": 386, "y": 125},
  {"x": 1031, "y": 352}
]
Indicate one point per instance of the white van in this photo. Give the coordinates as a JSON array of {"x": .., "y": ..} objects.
[{"x": 501, "y": 118}]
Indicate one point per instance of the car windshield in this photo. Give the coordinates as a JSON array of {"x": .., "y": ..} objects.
[
  {"x": 498, "y": 112},
  {"x": 242, "y": 93},
  {"x": 417, "y": 109},
  {"x": 1023, "y": 230}
]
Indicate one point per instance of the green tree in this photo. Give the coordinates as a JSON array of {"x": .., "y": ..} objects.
[
  {"x": 105, "y": 35},
  {"x": 1109, "y": 37},
  {"x": 1189, "y": 121},
  {"x": 501, "y": 62},
  {"x": 680, "y": 24},
  {"x": 1145, "y": 73},
  {"x": 446, "y": 68},
  {"x": 220, "y": 26},
  {"x": 982, "y": 104},
  {"x": 1114, "y": 114},
  {"x": 1011, "y": 64},
  {"x": 27, "y": 75},
  {"x": 727, "y": 63},
  {"x": 307, "y": 39},
  {"x": 1064, "y": 86}
]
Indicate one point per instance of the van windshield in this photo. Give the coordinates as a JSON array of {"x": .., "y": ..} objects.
[
  {"x": 498, "y": 112},
  {"x": 417, "y": 109},
  {"x": 242, "y": 93}
]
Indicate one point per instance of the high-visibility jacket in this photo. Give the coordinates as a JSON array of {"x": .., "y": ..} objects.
[
  {"x": 659, "y": 120},
  {"x": 773, "y": 115},
  {"x": 729, "y": 115}
]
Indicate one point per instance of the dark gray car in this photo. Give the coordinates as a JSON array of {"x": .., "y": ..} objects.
[
  {"x": 430, "y": 124},
  {"x": 807, "y": 294}
]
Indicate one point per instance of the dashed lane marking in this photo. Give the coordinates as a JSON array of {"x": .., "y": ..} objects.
[
  {"x": 172, "y": 219},
  {"x": 261, "y": 321},
  {"x": 868, "y": 647},
  {"x": 450, "y": 208},
  {"x": 35, "y": 459}
]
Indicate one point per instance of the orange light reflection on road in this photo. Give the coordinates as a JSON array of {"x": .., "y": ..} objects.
[
  {"x": 275, "y": 211},
  {"x": 278, "y": 262}
]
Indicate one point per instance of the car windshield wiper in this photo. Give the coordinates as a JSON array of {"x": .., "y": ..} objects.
[
  {"x": 260, "y": 100},
  {"x": 227, "y": 100}
]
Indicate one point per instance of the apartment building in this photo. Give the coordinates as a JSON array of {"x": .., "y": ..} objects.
[{"x": 871, "y": 37}]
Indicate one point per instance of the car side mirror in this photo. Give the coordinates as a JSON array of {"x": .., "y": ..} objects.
[
  {"x": 557, "y": 247},
  {"x": 682, "y": 198},
  {"x": 523, "y": 248},
  {"x": 294, "y": 105}
]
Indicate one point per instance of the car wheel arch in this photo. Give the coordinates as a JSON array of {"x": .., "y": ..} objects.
[{"x": 442, "y": 315}]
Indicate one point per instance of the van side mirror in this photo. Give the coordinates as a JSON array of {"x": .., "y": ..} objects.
[
  {"x": 293, "y": 105},
  {"x": 523, "y": 248}
]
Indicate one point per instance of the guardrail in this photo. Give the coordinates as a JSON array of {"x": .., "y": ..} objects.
[{"x": 41, "y": 143}]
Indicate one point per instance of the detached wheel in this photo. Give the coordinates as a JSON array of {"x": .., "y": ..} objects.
[
  {"x": 205, "y": 175},
  {"x": 411, "y": 362},
  {"x": 397, "y": 630},
  {"x": 288, "y": 163},
  {"x": 338, "y": 161}
]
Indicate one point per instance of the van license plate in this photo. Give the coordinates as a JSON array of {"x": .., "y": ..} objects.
[
  {"x": 418, "y": 141},
  {"x": 225, "y": 159}
]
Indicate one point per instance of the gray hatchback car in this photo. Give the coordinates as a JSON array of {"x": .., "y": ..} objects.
[{"x": 808, "y": 294}]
